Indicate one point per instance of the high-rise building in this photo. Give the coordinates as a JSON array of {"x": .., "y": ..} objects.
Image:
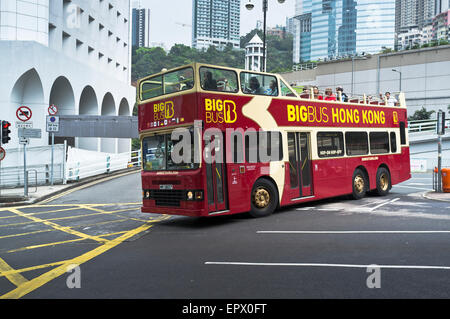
[
  {"x": 441, "y": 6},
  {"x": 73, "y": 54},
  {"x": 414, "y": 14},
  {"x": 140, "y": 27},
  {"x": 216, "y": 23},
  {"x": 413, "y": 20},
  {"x": 336, "y": 28}
]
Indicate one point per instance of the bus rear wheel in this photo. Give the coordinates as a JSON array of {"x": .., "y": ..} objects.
[
  {"x": 264, "y": 198},
  {"x": 383, "y": 181},
  {"x": 359, "y": 184}
]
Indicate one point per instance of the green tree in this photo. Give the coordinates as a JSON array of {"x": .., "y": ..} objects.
[{"x": 421, "y": 114}]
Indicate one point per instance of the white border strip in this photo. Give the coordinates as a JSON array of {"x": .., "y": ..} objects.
[
  {"x": 353, "y": 232},
  {"x": 327, "y": 265}
]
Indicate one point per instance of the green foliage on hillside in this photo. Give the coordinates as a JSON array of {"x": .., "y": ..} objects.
[{"x": 146, "y": 61}]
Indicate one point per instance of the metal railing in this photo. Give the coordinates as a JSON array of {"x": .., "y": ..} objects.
[
  {"x": 79, "y": 171},
  {"x": 422, "y": 125}
]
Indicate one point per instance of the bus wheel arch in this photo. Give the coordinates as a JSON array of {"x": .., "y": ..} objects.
[
  {"x": 264, "y": 197},
  {"x": 360, "y": 182},
  {"x": 383, "y": 180}
]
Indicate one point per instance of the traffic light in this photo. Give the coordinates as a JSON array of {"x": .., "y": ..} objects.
[{"x": 5, "y": 132}]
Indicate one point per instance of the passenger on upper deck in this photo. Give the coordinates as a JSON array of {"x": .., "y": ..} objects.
[
  {"x": 391, "y": 101},
  {"x": 255, "y": 87},
  {"x": 343, "y": 95},
  {"x": 329, "y": 96},
  {"x": 273, "y": 90},
  {"x": 209, "y": 83},
  {"x": 316, "y": 92}
]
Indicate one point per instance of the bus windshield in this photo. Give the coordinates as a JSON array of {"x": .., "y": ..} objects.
[
  {"x": 171, "y": 82},
  {"x": 157, "y": 153}
]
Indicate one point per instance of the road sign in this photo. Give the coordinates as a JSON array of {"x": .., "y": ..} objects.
[
  {"x": 52, "y": 109},
  {"x": 30, "y": 132},
  {"x": 24, "y": 141},
  {"x": 52, "y": 123},
  {"x": 24, "y": 113},
  {"x": 28, "y": 124},
  {"x": 2, "y": 153}
]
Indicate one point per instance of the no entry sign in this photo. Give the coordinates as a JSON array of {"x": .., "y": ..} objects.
[
  {"x": 52, "y": 109},
  {"x": 24, "y": 113},
  {"x": 2, "y": 153}
]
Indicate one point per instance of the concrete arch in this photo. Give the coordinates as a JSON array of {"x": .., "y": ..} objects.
[
  {"x": 108, "y": 145},
  {"x": 88, "y": 106},
  {"x": 124, "y": 144},
  {"x": 28, "y": 90},
  {"x": 62, "y": 95}
]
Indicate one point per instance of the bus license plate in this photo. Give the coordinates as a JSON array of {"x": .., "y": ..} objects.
[{"x": 165, "y": 187}]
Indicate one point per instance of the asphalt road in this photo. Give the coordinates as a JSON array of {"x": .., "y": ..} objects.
[{"x": 315, "y": 250}]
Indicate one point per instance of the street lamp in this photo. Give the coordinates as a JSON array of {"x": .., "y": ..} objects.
[
  {"x": 250, "y": 6},
  {"x": 400, "y": 78},
  {"x": 356, "y": 57}
]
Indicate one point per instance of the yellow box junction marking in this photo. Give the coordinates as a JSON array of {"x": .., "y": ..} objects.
[{"x": 25, "y": 286}]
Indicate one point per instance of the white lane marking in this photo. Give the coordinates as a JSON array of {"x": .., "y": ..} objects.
[
  {"x": 418, "y": 184},
  {"x": 326, "y": 265},
  {"x": 423, "y": 189},
  {"x": 353, "y": 232},
  {"x": 385, "y": 203}
]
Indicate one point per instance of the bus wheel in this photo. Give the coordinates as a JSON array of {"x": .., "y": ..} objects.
[
  {"x": 264, "y": 198},
  {"x": 383, "y": 181},
  {"x": 359, "y": 184}
]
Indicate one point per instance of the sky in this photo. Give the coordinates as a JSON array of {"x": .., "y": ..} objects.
[{"x": 171, "y": 20}]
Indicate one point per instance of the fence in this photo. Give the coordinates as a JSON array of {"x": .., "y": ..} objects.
[{"x": 71, "y": 166}]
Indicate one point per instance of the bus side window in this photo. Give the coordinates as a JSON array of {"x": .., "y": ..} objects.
[
  {"x": 402, "y": 133},
  {"x": 393, "y": 142}
]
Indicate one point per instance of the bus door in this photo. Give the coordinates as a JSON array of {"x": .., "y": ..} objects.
[
  {"x": 215, "y": 178},
  {"x": 300, "y": 176}
]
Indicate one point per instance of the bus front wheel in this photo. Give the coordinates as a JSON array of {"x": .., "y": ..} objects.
[
  {"x": 264, "y": 198},
  {"x": 359, "y": 184}
]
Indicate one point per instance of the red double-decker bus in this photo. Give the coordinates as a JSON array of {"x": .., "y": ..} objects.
[{"x": 318, "y": 149}]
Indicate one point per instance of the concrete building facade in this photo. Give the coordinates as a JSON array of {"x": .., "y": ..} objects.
[
  {"x": 425, "y": 76},
  {"x": 73, "y": 54}
]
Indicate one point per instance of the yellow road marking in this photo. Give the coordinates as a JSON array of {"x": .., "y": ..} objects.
[
  {"x": 35, "y": 283},
  {"x": 18, "y": 271},
  {"x": 25, "y": 234},
  {"x": 16, "y": 278},
  {"x": 58, "y": 227},
  {"x": 38, "y": 220},
  {"x": 45, "y": 212},
  {"x": 59, "y": 243}
]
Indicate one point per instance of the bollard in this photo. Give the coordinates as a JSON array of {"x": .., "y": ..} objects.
[{"x": 445, "y": 180}]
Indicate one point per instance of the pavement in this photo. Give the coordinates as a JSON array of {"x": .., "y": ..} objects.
[
  {"x": 15, "y": 196},
  {"x": 445, "y": 197}
]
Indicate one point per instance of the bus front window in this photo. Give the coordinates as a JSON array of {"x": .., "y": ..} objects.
[{"x": 157, "y": 153}]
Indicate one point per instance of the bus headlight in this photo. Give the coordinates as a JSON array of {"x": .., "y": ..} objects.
[
  {"x": 190, "y": 195},
  {"x": 199, "y": 195}
]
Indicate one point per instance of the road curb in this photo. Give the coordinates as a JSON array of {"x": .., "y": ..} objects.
[
  {"x": 84, "y": 182},
  {"x": 425, "y": 195}
]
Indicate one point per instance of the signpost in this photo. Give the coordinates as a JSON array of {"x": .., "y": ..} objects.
[
  {"x": 2, "y": 157},
  {"x": 52, "y": 127},
  {"x": 24, "y": 114},
  {"x": 440, "y": 130}
]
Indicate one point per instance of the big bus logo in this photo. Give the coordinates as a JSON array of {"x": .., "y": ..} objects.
[
  {"x": 218, "y": 111},
  {"x": 163, "y": 110},
  {"x": 395, "y": 118}
]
